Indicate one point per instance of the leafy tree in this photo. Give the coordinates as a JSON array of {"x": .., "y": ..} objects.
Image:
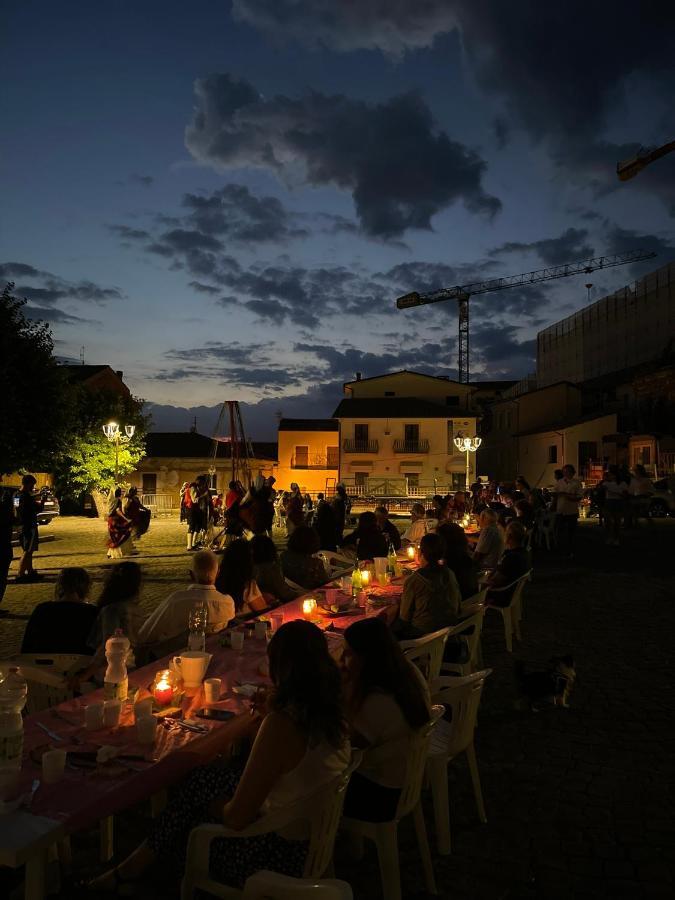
[{"x": 36, "y": 401}]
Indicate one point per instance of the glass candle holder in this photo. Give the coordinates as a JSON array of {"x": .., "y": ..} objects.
[
  {"x": 164, "y": 688},
  {"x": 411, "y": 552},
  {"x": 309, "y": 608}
]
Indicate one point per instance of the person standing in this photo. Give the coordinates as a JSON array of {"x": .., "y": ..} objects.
[
  {"x": 200, "y": 509},
  {"x": 29, "y": 507},
  {"x": 6, "y": 528},
  {"x": 119, "y": 528},
  {"x": 641, "y": 488},
  {"x": 295, "y": 516},
  {"x": 341, "y": 508},
  {"x": 615, "y": 491},
  {"x": 568, "y": 492}
]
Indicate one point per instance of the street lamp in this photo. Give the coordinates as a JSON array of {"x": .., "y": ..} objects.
[
  {"x": 467, "y": 445},
  {"x": 114, "y": 435}
]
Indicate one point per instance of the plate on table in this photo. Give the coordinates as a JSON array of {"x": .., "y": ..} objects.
[
  {"x": 333, "y": 614},
  {"x": 248, "y": 690}
]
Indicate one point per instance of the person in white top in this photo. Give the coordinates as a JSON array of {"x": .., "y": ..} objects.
[
  {"x": 490, "y": 544},
  {"x": 418, "y": 525},
  {"x": 301, "y": 745},
  {"x": 170, "y": 618},
  {"x": 387, "y": 700},
  {"x": 569, "y": 492}
]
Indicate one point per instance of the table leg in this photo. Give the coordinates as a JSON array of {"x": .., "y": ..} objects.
[
  {"x": 106, "y": 836},
  {"x": 35, "y": 876}
]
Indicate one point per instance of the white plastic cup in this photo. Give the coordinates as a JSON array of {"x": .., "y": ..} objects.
[
  {"x": 93, "y": 716},
  {"x": 237, "y": 640},
  {"x": 142, "y": 708},
  {"x": 212, "y": 688},
  {"x": 347, "y": 584},
  {"x": 146, "y": 729},
  {"x": 53, "y": 766},
  {"x": 261, "y": 630},
  {"x": 111, "y": 713},
  {"x": 277, "y": 620},
  {"x": 331, "y": 596},
  {"x": 380, "y": 567}
]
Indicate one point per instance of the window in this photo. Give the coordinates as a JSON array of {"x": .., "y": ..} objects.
[
  {"x": 451, "y": 436},
  {"x": 452, "y": 400},
  {"x": 149, "y": 485},
  {"x": 553, "y": 453},
  {"x": 302, "y": 456},
  {"x": 411, "y": 434},
  {"x": 413, "y": 480},
  {"x": 458, "y": 479},
  {"x": 361, "y": 433},
  {"x": 361, "y": 479},
  {"x": 332, "y": 457}
]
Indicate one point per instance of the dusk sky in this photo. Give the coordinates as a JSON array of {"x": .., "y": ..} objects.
[{"x": 224, "y": 199}]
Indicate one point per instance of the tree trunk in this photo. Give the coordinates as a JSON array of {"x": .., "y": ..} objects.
[{"x": 100, "y": 502}]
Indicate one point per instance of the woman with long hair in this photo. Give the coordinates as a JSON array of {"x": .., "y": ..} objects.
[
  {"x": 367, "y": 538},
  {"x": 267, "y": 570},
  {"x": 235, "y": 577},
  {"x": 431, "y": 598},
  {"x": 298, "y": 561},
  {"x": 458, "y": 559},
  {"x": 386, "y": 700},
  {"x": 300, "y": 745},
  {"x": 119, "y": 528}
]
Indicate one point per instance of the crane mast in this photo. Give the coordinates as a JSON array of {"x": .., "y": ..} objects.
[{"x": 462, "y": 293}]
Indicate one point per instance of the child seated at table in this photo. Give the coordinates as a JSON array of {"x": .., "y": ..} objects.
[
  {"x": 300, "y": 745},
  {"x": 431, "y": 599}
]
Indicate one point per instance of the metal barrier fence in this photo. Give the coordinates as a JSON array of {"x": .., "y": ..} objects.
[{"x": 161, "y": 504}]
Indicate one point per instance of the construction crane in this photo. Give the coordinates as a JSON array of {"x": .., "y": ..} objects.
[
  {"x": 462, "y": 294},
  {"x": 629, "y": 168}
]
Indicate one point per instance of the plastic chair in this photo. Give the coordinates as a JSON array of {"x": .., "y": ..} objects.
[
  {"x": 385, "y": 834},
  {"x": 448, "y": 740},
  {"x": 336, "y": 564},
  {"x": 513, "y": 613},
  {"x": 272, "y": 886},
  {"x": 295, "y": 586},
  {"x": 470, "y": 640},
  {"x": 322, "y": 810},
  {"x": 545, "y": 529},
  {"x": 427, "y": 653},
  {"x": 46, "y": 675}
]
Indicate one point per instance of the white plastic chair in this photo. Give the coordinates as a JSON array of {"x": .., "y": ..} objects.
[
  {"x": 471, "y": 641},
  {"x": 545, "y": 529},
  {"x": 46, "y": 675},
  {"x": 335, "y": 564},
  {"x": 295, "y": 586},
  {"x": 448, "y": 740},
  {"x": 385, "y": 834},
  {"x": 511, "y": 614},
  {"x": 272, "y": 886},
  {"x": 321, "y": 810},
  {"x": 427, "y": 653}
]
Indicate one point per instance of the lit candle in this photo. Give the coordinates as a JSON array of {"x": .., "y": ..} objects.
[
  {"x": 411, "y": 552},
  {"x": 365, "y": 577},
  {"x": 308, "y": 607},
  {"x": 163, "y": 690}
]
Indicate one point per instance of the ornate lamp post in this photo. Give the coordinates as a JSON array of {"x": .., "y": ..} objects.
[
  {"x": 467, "y": 445},
  {"x": 114, "y": 435}
]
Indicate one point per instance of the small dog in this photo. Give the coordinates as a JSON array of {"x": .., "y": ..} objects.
[{"x": 554, "y": 685}]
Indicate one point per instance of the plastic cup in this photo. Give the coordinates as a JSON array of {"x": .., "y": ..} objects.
[
  {"x": 146, "y": 729},
  {"x": 237, "y": 640},
  {"x": 346, "y": 584},
  {"x": 260, "y": 630},
  {"x": 277, "y": 620},
  {"x": 142, "y": 708},
  {"x": 212, "y": 687},
  {"x": 93, "y": 716},
  {"x": 380, "y": 567},
  {"x": 53, "y": 765},
  {"x": 111, "y": 713}
]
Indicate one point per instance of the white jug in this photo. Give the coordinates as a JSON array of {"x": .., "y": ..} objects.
[{"x": 192, "y": 666}]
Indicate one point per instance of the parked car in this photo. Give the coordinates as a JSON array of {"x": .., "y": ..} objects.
[
  {"x": 51, "y": 508},
  {"x": 662, "y": 501}
]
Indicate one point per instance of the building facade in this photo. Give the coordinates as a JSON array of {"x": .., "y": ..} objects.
[
  {"x": 397, "y": 433},
  {"x": 309, "y": 454}
]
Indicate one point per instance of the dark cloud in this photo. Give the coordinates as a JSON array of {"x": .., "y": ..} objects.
[
  {"x": 46, "y": 289},
  {"x": 11, "y": 270},
  {"x": 569, "y": 246},
  {"x": 234, "y": 212},
  {"x": 127, "y": 233},
  {"x": 334, "y": 140},
  {"x": 621, "y": 240},
  {"x": 144, "y": 180},
  {"x": 204, "y": 288},
  {"x": 183, "y": 240},
  {"x": 52, "y": 315},
  {"x": 502, "y": 132}
]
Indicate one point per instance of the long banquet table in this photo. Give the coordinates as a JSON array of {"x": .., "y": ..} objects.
[{"x": 83, "y": 797}]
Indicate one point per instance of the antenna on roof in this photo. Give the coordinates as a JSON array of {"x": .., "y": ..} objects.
[
  {"x": 193, "y": 427},
  {"x": 82, "y": 355}
]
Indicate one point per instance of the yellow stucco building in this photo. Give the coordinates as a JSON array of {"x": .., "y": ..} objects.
[{"x": 308, "y": 454}]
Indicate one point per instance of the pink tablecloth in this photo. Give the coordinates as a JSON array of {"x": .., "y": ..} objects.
[{"x": 85, "y": 796}]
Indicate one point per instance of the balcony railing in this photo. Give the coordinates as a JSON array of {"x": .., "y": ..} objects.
[
  {"x": 351, "y": 445},
  {"x": 419, "y": 446},
  {"x": 314, "y": 462}
]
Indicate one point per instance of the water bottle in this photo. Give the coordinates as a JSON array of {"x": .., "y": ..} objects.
[
  {"x": 391, "y": 560},
  {"x": 116, "y": 681},
  {"x": 13, "y": 690},
  {"x": 356, "y": 581},
  {"x": 197, "y": 622}
]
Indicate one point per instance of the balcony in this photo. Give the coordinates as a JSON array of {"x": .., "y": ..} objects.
[
  {"x": 316, "y": 461},
  {"x": 418, "y": 446},
  {"x": 351, "y": 445}
]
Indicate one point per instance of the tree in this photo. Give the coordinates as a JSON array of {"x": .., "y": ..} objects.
[{"x": 36, "y": 401}]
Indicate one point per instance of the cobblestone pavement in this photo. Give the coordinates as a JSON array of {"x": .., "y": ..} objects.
[{"x": 580, "y": 800}]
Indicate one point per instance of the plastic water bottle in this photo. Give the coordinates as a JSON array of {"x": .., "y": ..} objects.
[
  {"x": 391, "y": 560},
  {"x": 13, "y": 690},
  {"x": 197, "y": 622},
  {"x": 116, "y": 681}
]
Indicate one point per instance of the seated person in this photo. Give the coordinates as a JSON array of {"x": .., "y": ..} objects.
[
  {"x": 298, "y": 561},
  {"x": 386, "y": 700},
  {"x": 267, "y": 570},
  {"x": 525, "y": 513},
  {"x": 300, "y": 745},
  {"x": 367, "y": 538},
  {"x": 388, "y": 529},
  {"x": 418, "y": 525},
  {"x": 458, "y": 558},
  {"x": 515, "y": 562},
  {"x": 235, "y": 578},
  {"x": 170, "y": 618},
  {"x": 490, "y": 544},
  {"x": 63, "y": 624},
  {"x": 431, "y": 597},
  {"x": 325, "y": 525}
]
